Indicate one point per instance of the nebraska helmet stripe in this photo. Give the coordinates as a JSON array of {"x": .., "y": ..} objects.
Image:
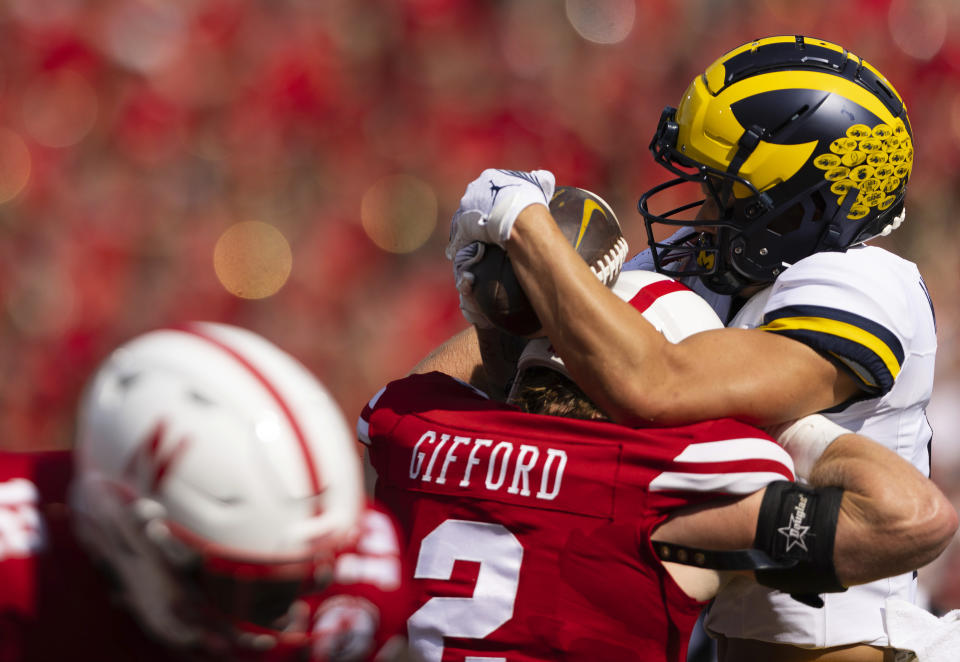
[
  {"x": 308, "y": 461},
  {"x": 648, "y": 294}
]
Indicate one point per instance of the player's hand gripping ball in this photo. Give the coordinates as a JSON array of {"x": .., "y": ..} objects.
[{"x": 592, "y": 229}]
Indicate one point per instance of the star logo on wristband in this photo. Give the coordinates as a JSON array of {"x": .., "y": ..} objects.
[{"x": 795, "y": 532}]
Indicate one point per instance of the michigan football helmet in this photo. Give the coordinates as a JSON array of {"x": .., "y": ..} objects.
[
  {"x": 215, "y": 477},
  {"x": 798, "y": 146}
]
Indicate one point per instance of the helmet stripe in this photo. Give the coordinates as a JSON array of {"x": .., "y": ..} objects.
[
  {"x": 313, "y": 474},
  {"x": 648, "y": 294},
  {"x": 807, "y": 80}
]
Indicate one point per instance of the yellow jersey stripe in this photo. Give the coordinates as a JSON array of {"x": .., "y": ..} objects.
[{"x": 842, "y": 330}]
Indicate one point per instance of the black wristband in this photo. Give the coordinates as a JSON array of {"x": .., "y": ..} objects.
[{"x": 797, "y": 525}]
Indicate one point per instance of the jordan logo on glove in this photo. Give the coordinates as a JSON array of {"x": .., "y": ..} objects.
[{"x": 495, "y": 190}]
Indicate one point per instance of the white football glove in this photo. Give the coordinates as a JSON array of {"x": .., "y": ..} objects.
[
  {"x": 489, "y": 207},
  {"x": 465, "y": 258}
]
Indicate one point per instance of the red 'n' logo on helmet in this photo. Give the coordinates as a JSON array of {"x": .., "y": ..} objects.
[{"x": 151, "y": 462}]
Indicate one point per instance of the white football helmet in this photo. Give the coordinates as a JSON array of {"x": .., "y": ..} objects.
[
  {"x": 215, "y": 477},
  {"x": 675, "y": 310}
]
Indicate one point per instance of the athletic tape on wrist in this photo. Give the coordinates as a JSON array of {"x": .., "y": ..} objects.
[{"x": 805, "y": 440}]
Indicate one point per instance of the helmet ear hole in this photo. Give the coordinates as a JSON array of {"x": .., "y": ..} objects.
[
  {"x": 820, "y": 203},
  {"x": 789, "y": 221}
]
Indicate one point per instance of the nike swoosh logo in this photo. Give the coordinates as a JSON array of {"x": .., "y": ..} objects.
[{"x": 589, "y": 206}]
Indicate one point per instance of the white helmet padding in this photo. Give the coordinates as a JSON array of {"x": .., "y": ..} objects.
[{"x": 672, "y": 308}]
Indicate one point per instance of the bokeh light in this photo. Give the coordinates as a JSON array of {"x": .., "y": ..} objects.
[
  {"x": 15, "y": 164},
  {"x": 399, "y": 213},
  {"x": 43, "y": 301},
  {"x": 45, "y": 12},
  {"x": 252, "y": 259},
  {"x": 919, "y": 27},
  {"x": 60, "y": 109},
  {"x": 602, "y": 21},
  {"x": 145, "y": 36},
  {"x": 534, "y": 38}
]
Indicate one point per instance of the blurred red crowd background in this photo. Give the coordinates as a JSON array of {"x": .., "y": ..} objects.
[{"x": 291, "y": 165}]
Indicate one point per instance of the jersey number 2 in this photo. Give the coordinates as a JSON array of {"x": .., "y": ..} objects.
[{"x": 499, "y": 554}]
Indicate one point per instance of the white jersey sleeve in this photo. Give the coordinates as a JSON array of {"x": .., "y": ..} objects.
[
  {"x": 866, "y": 308},
  {"x": 869, "y": 310}
]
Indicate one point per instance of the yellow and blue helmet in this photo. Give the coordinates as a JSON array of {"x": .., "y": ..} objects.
[{"x": 802, "y": 146}]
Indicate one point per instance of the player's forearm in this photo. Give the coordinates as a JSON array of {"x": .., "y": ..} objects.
[
  {"x": 892, "y": 518},
  {"x": 484, "y": 358},
  {"x": 458, "y": 357},
  {"x": 633, "y": 373},
  {"x": 605, "y": 343}
]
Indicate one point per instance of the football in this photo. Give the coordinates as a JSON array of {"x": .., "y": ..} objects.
[{"x": 590, "y": 226}]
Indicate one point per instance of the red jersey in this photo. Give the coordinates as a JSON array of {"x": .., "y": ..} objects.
[
  {"x": 55, "y": 605},
  {"x": 530, "y": 535}
]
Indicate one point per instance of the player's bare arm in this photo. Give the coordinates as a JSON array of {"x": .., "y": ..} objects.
[
  {"x": 894, "y": 519},
  {"x": 891, "y": 519},
  {"x": 633, "y": 373},
  {"x": 458, "y": 357},
  {"x": 483, "y": 357}
]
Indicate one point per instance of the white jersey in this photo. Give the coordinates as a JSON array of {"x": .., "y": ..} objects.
[{"x": 869, "y": 310}]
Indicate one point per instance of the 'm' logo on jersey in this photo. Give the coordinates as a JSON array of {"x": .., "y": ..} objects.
[{"x": 795, "y": 532}]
